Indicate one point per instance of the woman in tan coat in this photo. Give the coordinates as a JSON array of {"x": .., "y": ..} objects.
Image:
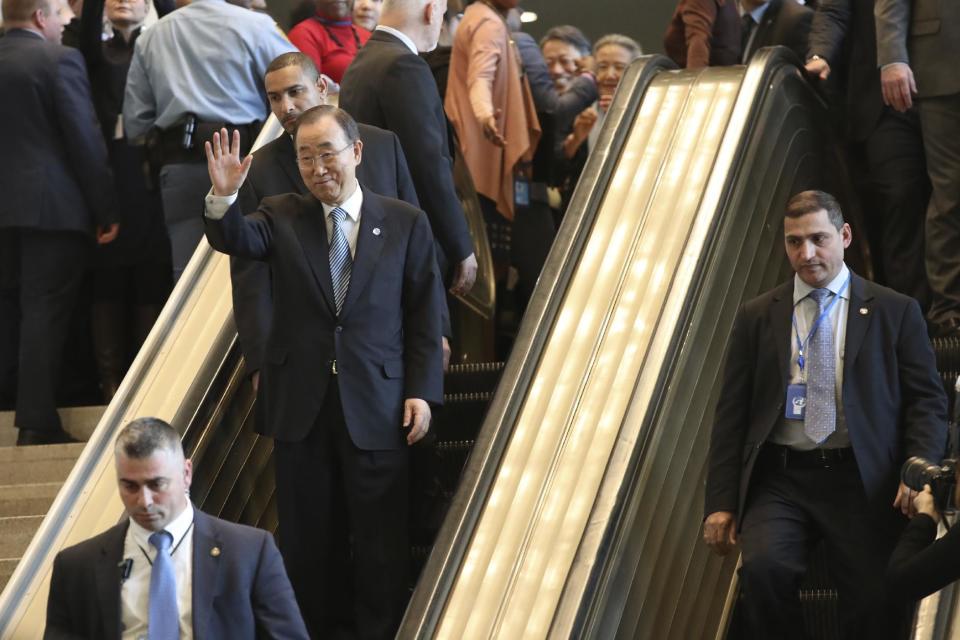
[{"x": 490, "y": 105}]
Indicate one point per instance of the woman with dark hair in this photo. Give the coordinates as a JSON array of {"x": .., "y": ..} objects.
[{"x": 330, "y": 37}]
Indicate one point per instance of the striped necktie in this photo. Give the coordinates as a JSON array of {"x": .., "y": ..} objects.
[
  {"x": 341, "y": 263},
  {"x": 163, "y": 615},
  {"x": 821, "y": 412}
]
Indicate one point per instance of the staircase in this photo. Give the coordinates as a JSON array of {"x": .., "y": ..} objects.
[{"x": 30, "y": 478}]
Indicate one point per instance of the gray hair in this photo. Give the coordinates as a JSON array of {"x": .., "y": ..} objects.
[
  {"x": 625, "y": 42},
  {"x": 145, "y": 436}
]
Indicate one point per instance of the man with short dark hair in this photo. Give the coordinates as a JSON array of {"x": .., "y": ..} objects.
[
  {"x": 170, "y": 571},
  {"x": 353, "y": 362},
  {"x": 829, "y": 386},
  {"x": 55, "y": 198}
]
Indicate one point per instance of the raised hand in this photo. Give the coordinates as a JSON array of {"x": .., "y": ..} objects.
[{"x": 227, "y": 172}]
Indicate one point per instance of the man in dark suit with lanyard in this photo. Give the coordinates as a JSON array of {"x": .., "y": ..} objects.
[
  {"x": 169, "y": 571},
  {"x": 388, "y": 85},
  {"x": 55, "y": 198},
  {"x": 353, "y": 362},
  {"x": 830, "y": 385},
  {"x": 293, "y": 85}
]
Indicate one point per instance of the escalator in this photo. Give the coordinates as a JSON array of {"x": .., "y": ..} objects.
[{"x": 578, "y": 510}]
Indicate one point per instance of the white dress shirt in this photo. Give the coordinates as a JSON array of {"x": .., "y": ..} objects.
[
  {"x": 135, "y": 592},
  {"x": 790, "y": 432},
  {"x": 404, "y": 38},
  {"x": 216, "y": 207}
]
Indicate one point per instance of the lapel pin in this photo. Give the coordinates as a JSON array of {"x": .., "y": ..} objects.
[
  {"x": 376, "y": 231},
  {"x": 215, "y": 552},
  {"x": 864, "y": 311}
]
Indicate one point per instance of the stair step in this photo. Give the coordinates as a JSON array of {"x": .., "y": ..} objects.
[
  {"x": 7, "y": 565},
  {"x": 27, "y": 499},
  {"x": 16, "y": 533},
  {"x": 77, "y": 421},
  {"x": 37, "y": 464}
]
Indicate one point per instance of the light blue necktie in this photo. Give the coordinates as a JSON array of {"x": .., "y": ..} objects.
[
  {"x": 163, "y": 616},
  {"x": 821, "y": 412},
  {"x": 341, "y": 263}
]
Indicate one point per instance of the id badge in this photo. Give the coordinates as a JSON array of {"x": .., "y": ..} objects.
[
  {"x": 521, "y": 192},
  {"x": 796, "y": 402}
]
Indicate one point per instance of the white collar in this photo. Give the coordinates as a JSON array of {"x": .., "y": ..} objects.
[
  {"x": 757, "y": 14},
  {"x": 400, "y": 35},
  {"x": 177, "y": 528},
  {"x": 801, "y": 289},
  {"x": 351, "y": 205}
]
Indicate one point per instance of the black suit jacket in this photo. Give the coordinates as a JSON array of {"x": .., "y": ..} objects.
[
  {"x": 241, "y": 591},
  {"x": 785, "y": 23},
  {"x": 54, "y": 172},
  {"x": 389, "y": 87},
  {"x": 845, "y": 35},
  {"x": 386, "y": 339},
  {"x": 893, "y": 399},
  {"x": 273, "y": 172}
]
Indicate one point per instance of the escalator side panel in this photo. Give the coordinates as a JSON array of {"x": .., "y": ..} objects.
[{"x": 657, "y": 578}]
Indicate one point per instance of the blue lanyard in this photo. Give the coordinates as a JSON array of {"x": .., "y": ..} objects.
[{"x": 813, "y": 329}]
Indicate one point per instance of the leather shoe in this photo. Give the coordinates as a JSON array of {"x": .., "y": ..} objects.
[{"x": 27, "y": 437}]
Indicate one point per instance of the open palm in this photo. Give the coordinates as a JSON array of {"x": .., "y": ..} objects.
[{"x": 227, "y": 171}]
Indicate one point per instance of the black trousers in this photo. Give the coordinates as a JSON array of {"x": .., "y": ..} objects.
[
  {"x": 940, "y": 122},
  {"x": 40, "y": 277},
  {"x": 343, "y": 528},
  {"x": 895, "y": 191},
  {"x": 788, "y": 511}
]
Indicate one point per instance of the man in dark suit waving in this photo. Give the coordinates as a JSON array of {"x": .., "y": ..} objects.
[
  {"x": 353, "y": 358},
  {"x": 830, "y": 385},
  {"x": 170, "y": 571},
  {"x": 388, "y": 85},
  {"x": 293, "y": 85},
  {"x": 55, "y": 187}
]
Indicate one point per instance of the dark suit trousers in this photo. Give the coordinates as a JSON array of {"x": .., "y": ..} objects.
[
  {"x": 40, "y": 277},
  {"x": 895, "y": 193},
  {"x": 343, "y": 528},
  {"x": 789, "y": 511},
  {"x": 940, "y": 122}
]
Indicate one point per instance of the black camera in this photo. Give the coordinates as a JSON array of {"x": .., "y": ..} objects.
[{"x": 942, "y": 479}]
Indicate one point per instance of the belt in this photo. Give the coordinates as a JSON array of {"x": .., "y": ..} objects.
[{"x": 787, "y": 458}]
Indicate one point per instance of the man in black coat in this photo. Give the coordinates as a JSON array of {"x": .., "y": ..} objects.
[
  {"x": 829, "y": 386},
  {"x": 228, "y": 579},
  {"x": 293, "y": 85},
  {"x": 389, "y": 86},
  {"x": 353, "y": 362},
  {"x": 774, "y": 22},
  {"x": 56, "y": 195},
  {"x": 884, "y": 146}
]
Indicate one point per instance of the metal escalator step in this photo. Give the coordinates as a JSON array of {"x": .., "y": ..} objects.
[{"x": 472, "y": 377}]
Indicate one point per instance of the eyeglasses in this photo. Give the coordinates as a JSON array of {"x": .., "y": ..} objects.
[{"x": 326, "y": 159}]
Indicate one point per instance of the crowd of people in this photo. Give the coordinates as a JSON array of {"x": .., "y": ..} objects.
[{"x": 127, "y": 143}]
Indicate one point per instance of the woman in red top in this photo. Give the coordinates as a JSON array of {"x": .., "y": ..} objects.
[{"x": 329, "y": 37}]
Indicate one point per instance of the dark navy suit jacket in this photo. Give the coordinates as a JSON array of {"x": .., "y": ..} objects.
[
  {"x": 386, "y": 339},
  {"x": 274, "y": 172},
  {"x": 242, "y": 591},
  {"x": 390, "y": 87},
  {"x": 893, "y": 398},
  {"x": 54, "y": 172}
]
